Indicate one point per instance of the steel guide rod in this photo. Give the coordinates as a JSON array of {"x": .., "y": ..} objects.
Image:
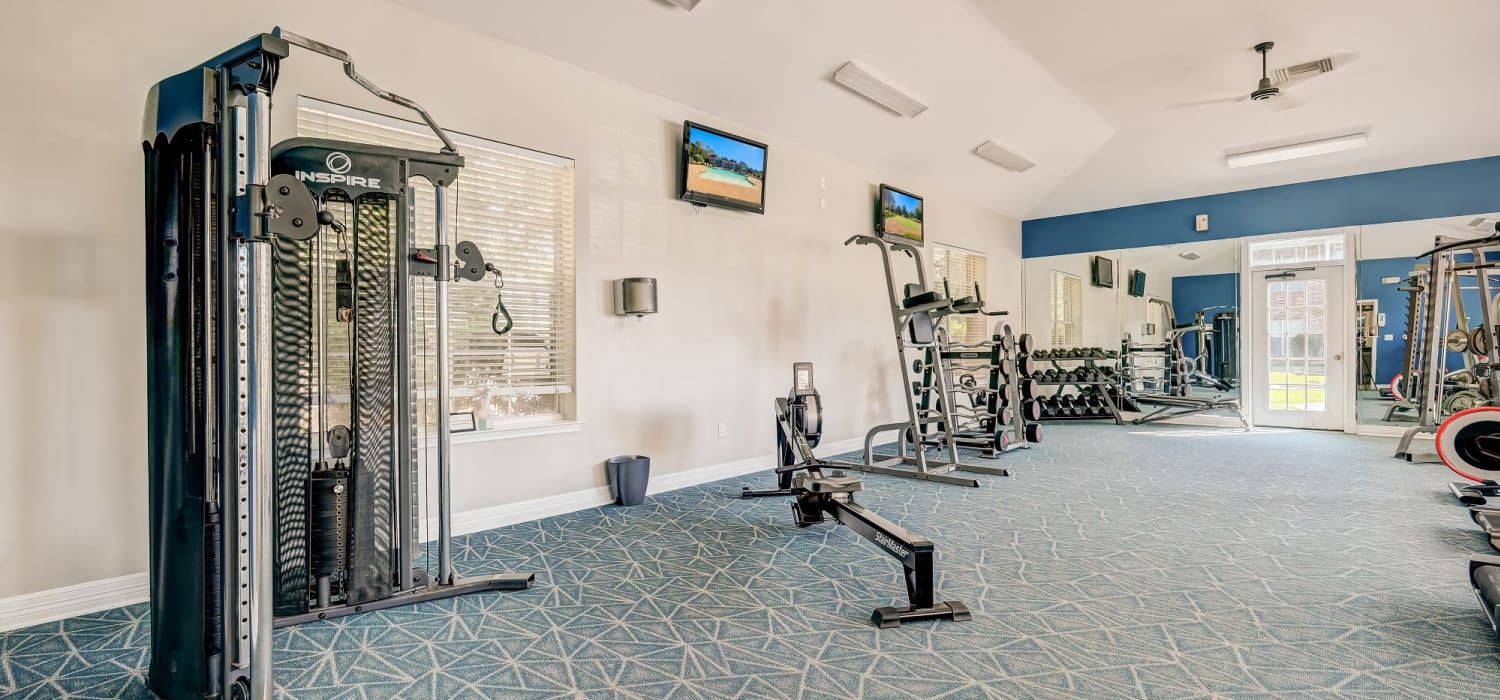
[{"x": 444, "y": 486}]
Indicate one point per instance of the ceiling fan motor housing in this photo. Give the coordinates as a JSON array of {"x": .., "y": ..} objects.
[{"x": 1265, "y": 91}]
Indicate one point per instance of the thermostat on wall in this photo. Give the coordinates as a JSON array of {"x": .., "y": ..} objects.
[{"x": 1201, "y": 223}]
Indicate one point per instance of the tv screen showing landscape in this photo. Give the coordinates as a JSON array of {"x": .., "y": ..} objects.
[
  {"x": 723, "y": 170},
  {"x": 900, "y": 214}
]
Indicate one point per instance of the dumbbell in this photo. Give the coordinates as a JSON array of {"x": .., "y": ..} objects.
[
  {"x": 1031, "y": 411},
  {"x": 1000, "y": 398},
  {"x": 1049, "y": 407},
  {"x": 1065, "y": 405},
  {"x": 1025, "y": 343}
]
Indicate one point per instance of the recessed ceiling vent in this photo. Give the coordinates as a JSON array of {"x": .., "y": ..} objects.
[
  {"x": 1189, "y": 256},
  {"x": 1302, "y": 71}
]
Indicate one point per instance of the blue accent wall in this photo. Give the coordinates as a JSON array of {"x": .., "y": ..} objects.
[
  {"x": 1445, "y": 189},
  {"x": 1389, "y": 354},
  {"x": 1190, "y": 293}
]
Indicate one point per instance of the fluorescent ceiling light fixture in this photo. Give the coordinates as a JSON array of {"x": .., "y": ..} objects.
[
  {"x": 878, "y": 90},
  {"x": 1003, "y": 157},
  {"x": 686, "y": 4},
  {"x": 1298, "y": 150}
]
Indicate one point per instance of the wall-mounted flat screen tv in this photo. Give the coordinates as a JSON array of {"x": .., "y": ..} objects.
[
  {"x": 1137, "y": 286},
  {"x": 722, "y": 170},
  {"x": 1104, "y": 272},
  {"x": 899, "y": 215}
]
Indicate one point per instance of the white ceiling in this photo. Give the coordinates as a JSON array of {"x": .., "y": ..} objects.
[
  {"x": 1423, "y": 84},
  {"x": 1165, "y": 261},
  {"x": 1406, "y": 238},
  {"x": 1084, "y": 88},
  {"x": 778, "y": 79}
]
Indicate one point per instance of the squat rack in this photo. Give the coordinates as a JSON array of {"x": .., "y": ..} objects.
[{"x": 1442, "y": 297}]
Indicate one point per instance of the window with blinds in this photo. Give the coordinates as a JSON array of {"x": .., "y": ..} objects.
[
  {"x": 517, "y": 206},
  {"x": 962, "y": 269},
  {"x": 1067, "y": 310}
]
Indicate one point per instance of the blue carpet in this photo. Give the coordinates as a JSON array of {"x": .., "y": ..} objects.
[{"x": 1118, "y": 562}]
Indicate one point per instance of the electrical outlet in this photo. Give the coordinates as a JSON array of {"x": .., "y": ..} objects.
[{"x": 723, "y": 430}]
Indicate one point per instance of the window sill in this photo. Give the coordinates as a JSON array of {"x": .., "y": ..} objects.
[{"x": 520, "y": 431}]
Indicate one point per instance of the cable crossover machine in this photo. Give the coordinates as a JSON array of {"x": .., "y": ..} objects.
[{"x": 285, "y": 307}]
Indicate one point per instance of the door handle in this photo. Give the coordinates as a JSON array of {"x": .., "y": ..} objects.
[{"x": 1339, "y": 357}]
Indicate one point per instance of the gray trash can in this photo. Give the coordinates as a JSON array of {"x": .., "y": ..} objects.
[{"x": 628, "y": 475}]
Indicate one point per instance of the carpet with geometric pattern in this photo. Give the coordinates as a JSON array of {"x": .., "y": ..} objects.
[{"x": 1116, "y": 562}]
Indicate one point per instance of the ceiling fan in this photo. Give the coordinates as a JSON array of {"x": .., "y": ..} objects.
[{"x": 1274, "y": 92}]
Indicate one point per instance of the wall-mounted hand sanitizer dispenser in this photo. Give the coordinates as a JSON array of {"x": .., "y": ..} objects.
[{"x": 635, "y": 296}]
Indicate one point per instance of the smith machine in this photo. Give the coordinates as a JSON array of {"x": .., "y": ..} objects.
[{"x": 284, "y": 289}]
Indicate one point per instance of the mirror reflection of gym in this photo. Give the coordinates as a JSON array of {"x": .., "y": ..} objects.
[
  {"x": 1162, "y": 325},
  {"x": 1394, "y": 291}
]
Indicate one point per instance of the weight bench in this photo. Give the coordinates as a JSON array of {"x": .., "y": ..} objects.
[{"x": 1169, "y": 407}]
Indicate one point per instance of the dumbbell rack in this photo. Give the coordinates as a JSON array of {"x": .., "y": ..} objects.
[
  {"x": 1111, "y": 399},
  {"x": 997, "y": 359},
  {"x": 1172, "y": 380}
]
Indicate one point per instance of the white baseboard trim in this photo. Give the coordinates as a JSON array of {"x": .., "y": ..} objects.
[
  {"x": 93, "y": 596},
  {"x": 70, "y": 601}
]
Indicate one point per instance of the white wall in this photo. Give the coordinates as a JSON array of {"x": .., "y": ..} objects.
[
  {"x": 1107, "y": 313},
  {"x": 742, "y": 296},
  {"x": 1101, "y": 305}
]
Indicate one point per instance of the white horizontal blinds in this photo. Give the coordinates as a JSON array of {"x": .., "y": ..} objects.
[
  {"x": 517, "y": 206},
  {"x": 962, "y": 269},
  {"x": 1067, "y": 310}
]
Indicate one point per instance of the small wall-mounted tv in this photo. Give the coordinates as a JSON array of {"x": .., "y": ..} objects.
[
  {"x": 720, "y": 169},
  {"x": 1137, "y": 287},
  {"x": 899, "y": 215},
  {"x": 1103, "y": 271}
]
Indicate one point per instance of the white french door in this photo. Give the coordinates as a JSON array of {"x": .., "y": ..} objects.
[{"x": 1297, "y": 348}]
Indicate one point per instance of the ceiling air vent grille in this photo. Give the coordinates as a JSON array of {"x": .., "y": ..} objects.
[
  {"x": 1189, "y": 256},
  {"x": 1303, "y": 71}
]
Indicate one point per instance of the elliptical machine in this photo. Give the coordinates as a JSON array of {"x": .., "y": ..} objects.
[{"x": 818, "y": 496}]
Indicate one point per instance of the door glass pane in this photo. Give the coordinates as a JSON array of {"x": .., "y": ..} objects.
[{"x": 1296, "y": 346}]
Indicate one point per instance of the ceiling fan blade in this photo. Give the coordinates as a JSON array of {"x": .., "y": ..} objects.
[
  {"x": 1285, "y": 102},
  {"x": 1206, "y": 103}
]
